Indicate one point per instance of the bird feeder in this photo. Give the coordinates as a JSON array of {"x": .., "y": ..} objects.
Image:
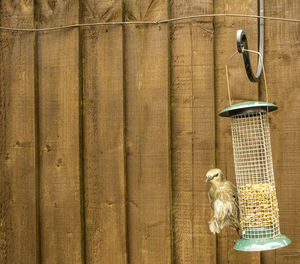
[{"x": 259, "y": 214}]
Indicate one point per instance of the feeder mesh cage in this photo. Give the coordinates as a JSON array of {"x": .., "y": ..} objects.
[{"x": 259, "y": 215}]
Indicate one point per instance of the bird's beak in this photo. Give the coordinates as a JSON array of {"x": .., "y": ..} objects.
[{"x": 208, "y": 178}]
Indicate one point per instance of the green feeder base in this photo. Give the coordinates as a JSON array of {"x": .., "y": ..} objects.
[{"x": 262, "y": 244}]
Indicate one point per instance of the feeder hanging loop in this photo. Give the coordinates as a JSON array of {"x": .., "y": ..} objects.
[{"x": 242, "y": 46}]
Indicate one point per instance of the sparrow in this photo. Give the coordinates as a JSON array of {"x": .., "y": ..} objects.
[{"x": 223, "y": 199}]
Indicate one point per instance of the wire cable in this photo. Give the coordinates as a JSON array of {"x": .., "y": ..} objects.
[{"x": 158, "y": 22}]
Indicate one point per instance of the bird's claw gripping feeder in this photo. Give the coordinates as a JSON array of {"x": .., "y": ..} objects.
[{"x": 259, "y": 214}]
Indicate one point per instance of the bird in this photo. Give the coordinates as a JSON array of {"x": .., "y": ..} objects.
[{"x": 223, "y": 199}]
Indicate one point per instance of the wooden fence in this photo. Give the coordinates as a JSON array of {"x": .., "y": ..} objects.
[{"x": 106, "y": 132}]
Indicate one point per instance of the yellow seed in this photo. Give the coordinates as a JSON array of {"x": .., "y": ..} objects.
[{"x": 258, "y": 205}]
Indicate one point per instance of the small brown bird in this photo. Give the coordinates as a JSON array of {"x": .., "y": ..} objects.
[{"x": 223, "y": 200}]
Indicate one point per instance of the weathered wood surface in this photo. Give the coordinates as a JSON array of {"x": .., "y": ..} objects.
[
  {"x": 18, "y": 225},
  {"x": 103, "y": 129},
  {"x": 106, "y": 132},
  {"x": 282, "y": 68},
  {"x": 242, "y": 90},
  {"x": 193, "y": 139},
  {"x": 59, "y": 119},
  {"x": 147, "y": 133}
]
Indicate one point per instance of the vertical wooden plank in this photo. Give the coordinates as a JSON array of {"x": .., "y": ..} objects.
[
  {"x": 18, "y": 225},
  {"x": 147, "y": 133},
  {"x": 282, "y": 67},
  {"x": 104, "y": 134},
  {"x": 58, "y": 71},
  {"x": 242, "y": 90},
  {"x": 193, "y": 132}
]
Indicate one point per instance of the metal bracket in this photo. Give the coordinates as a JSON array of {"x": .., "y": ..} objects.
[{"x": 242, "y": 44}]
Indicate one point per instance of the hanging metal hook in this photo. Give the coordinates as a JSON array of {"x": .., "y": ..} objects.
[{"x": 242, "y": 46}]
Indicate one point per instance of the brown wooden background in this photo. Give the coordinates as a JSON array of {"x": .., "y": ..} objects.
[{"x": 106, "y": 132}]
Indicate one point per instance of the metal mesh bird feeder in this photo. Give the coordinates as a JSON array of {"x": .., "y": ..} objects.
[{"x": 259, "y": 214}]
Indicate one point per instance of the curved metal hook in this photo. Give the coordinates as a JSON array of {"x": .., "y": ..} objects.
[{"x": 243, "y": 44}]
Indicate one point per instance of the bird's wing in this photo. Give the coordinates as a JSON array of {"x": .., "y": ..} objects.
[
  {"x": 234, "y": 214},
  {"x": 234, "y": 194}
]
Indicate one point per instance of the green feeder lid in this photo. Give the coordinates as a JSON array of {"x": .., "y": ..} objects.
[{"x": 249, "y": 107}]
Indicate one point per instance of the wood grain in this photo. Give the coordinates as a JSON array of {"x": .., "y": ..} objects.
[
  {"x": 104, "y": 135},
  {"x": 18, "y": 225},
  {"x": 59, "y": 119},
  {"x": 282, "y": 68},
  {"x": 242, "y": 90},
  {"x": 193, "y": 138},
  {"x": 147, "y": 134},
  {"x": 106, "y": 132}
]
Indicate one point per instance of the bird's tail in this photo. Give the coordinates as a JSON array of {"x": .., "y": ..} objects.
[{"x": 214, "y": 226}]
